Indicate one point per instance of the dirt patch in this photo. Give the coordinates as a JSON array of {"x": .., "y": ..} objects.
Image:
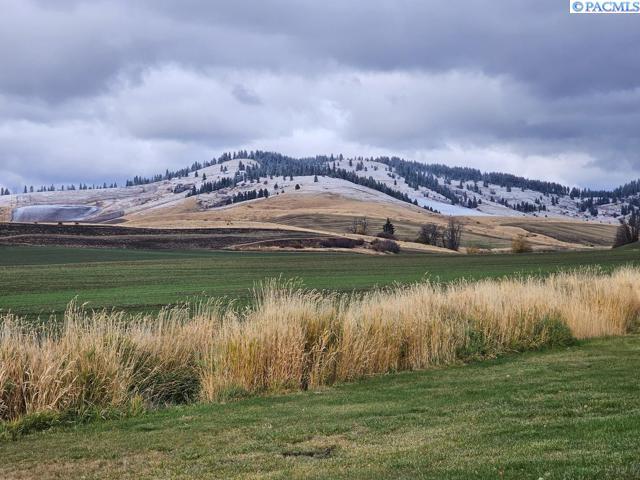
[{"x": 318, "y": 453}]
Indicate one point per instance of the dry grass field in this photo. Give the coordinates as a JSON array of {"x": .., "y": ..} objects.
[
  {"x": 290, "y": 339},
  {"x": 572, "y": 232},
  {"x": 334, "y": 213}
]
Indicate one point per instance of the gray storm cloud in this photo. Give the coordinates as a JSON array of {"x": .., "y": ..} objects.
[{"x": 94, "y": 91}]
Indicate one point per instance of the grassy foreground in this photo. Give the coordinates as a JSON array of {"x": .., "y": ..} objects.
[
  {"x": 292, "y": 339},
  {"x": 41, "y": 280},
  {"x": 571, "y": 413}
]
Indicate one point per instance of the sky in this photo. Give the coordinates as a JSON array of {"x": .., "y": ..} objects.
[{"x": 98, "y": 91}]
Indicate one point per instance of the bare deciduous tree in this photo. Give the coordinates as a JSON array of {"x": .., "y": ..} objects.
[
  {"x": 628, "y": 231},
  {"x": 360, "y": 226},
  {"x": 430, "y": 234},
  {"x": 452, "y": 234}
]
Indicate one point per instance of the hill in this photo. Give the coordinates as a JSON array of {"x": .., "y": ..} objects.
[{"x": 325, "y": 194}]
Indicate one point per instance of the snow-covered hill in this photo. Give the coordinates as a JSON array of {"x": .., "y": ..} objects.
[
  {"x": 489, "y": 197},
  {"x": 230, "y": 181}
]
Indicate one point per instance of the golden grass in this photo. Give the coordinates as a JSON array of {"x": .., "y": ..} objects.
[
  {"x": 5, "y": 214},
  {"x": 292, "y": 339},
  {"x": 575, "y": 231},
  {"x": 334, "y": 213}
]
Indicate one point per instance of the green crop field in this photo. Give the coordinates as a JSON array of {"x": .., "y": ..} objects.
[
  {"x": 38, "y": 281},
  {"x": 571, "y": 413}
]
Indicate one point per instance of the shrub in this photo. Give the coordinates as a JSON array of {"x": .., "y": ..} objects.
[
  {"x": 385, "y": 246},
  {"x": 341, "y": 242},
  {"x": 520, "y": 244}
]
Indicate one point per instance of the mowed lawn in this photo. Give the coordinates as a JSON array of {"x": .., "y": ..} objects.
[
  {"x": 38, "y": 281},
  {"x": 571, "y": 413}
]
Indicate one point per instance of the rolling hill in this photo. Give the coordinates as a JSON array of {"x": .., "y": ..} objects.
[{"x": 325, "y": 195}]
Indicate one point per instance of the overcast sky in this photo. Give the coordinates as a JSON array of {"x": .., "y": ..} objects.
[{"x": 93, "y": 91}]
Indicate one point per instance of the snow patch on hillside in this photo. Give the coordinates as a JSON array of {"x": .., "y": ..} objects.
[{"x": 53, "y": 213}]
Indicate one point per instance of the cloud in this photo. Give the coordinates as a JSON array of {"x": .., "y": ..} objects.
[
  {"x": 245, "y": 96},
  {"x": 37, "y": 154},
  {"x": 104, "y": 90}
]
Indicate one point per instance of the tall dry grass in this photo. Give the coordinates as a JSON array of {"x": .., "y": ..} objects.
[{"x": 293, "y": 339}]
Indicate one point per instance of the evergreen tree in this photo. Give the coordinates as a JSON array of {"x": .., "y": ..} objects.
[{"x": 388, "y": 228}]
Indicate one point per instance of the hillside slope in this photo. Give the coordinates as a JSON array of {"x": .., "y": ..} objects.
[{"x": 327, "y": 193}]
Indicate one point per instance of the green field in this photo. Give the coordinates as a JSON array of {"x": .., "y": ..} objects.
[
  {"x": 42, "y": 280},
  {"x": 570, "y": 413}
]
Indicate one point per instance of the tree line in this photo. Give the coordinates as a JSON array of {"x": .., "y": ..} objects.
[
  {"x": 61, "y": 188},
  {"x": 249, "y": 195},
  {"x": 209, "y": 187},
  {"x": 270, "y": 165},
  {"x": 466, "y": 174},
  {"x": 71, "y": 187}
]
